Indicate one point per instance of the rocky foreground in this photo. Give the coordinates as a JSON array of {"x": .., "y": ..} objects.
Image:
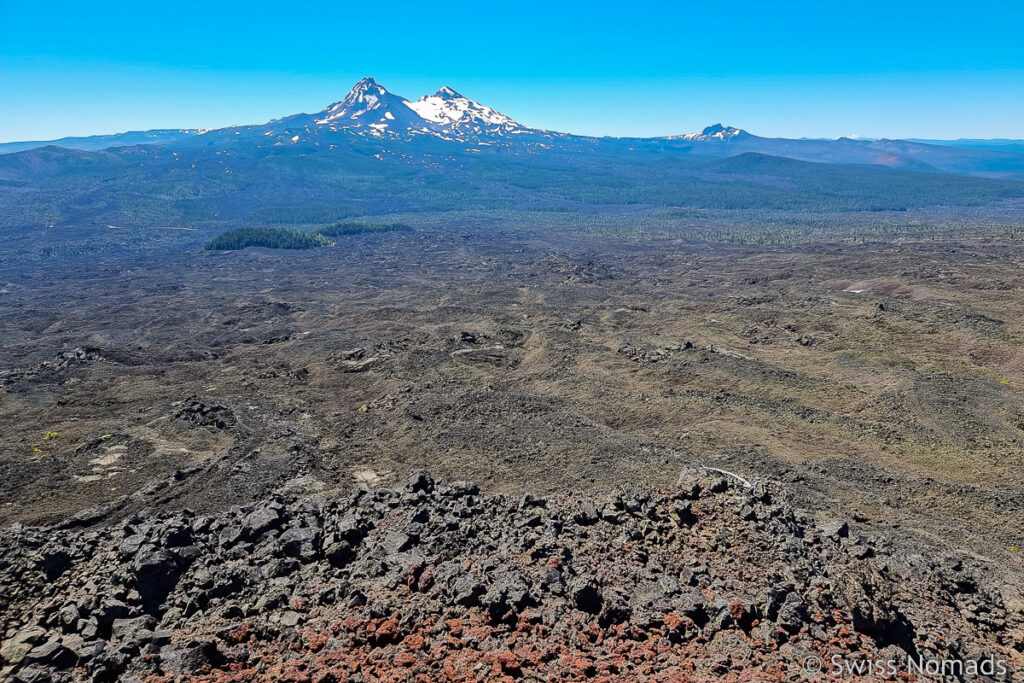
[{"x": 711, "y": 580}]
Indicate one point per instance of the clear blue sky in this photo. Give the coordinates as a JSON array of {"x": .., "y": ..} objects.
[{"x": 816, "y": 69}]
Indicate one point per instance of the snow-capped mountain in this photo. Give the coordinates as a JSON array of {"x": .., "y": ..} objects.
[
  {"x": 370, "y": 108},
  {"x": 459, "y": 114},
  {"x": 714, "y": 133},
  {"x": 370, "y": 105}
]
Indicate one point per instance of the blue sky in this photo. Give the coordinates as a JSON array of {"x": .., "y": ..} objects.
[{"x": 822, "y": 69}]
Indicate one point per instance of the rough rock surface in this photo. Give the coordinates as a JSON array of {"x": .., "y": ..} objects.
[{"x": 709, "y": 580}]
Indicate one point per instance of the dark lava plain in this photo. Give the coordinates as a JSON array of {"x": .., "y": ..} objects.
[{"x": 882, "y": 378}]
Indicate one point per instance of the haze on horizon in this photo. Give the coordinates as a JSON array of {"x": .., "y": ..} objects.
[{"x": 922, "y": 71}]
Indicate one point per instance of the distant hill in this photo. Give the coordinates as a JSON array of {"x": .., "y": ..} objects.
[
  {"x": 240, "y": 184},
  {"x": 96, "y": 142},
  {"x": 997, "y": 145}
]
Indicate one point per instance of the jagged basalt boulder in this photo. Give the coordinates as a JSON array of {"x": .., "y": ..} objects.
[{"x": 156, "y": 572}]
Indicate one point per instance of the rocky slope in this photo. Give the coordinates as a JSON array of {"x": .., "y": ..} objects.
[{"x": 709, "y": 580}]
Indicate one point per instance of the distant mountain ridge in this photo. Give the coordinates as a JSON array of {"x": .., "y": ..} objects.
[
  {"x": 98, "y": 142},
  {"x": 370, "y": 111}
]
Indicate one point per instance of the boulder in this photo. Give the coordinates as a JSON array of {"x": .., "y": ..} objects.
[
  {"x": 585, "y": 594},
  {"x": 52, "y": 653},
  {"x": 185, "y": 659},
  {"x": 15, "y": 648},
  {"x": 260, "y": 521}
]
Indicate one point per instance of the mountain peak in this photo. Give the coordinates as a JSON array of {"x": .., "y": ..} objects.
[
  {"x": 367, "y": 92},
  {"x": 449, "y": 93},
  {"x": 457, "y": 113},
  {"x": 367, "y": 82},
  {"x": 716, "y": 132},
  {"x": 369, "y": 104},
  {"x": 366, "y": 87}
]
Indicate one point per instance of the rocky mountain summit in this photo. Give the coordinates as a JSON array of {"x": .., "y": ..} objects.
[
  {"x": 709, "y": 580},
  {"x": 369, "y": 104}
]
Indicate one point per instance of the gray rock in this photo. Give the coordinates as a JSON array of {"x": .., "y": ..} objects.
[
  {"x": 396, "y": 542},
  {"x": 128, "y": 629},
  {"x": 509, "y": 592},
  {"x": 230, "y": 535},
  {"x": 55, "y": 561},
  {"x": 531, "y": 520},
  {"x": 585, "y": 594},
  {"x": 835, "y": 529},
  {"x": 85, "y": 649},
  {"x": 33, "y": 673},
  {"x": 156, "y": 573},
  {"x": 161, "y": 637},
  {"x": 682, "y": 513},
  {"x": 87, "y": 628},
  {"x": 419, "y": 480},
  {"x": 689, "y": 487},
  {"x": 131, "y": 544},
  {"x": 551, "y": 580},
  {"x": 111, "y": 609},
  {"x": 302, "y": 543},
  {"x": 586, "y": 514},
  {"x": 68, "y": 616},
  {"x": 188, "y": 554},
  {"x": 792, "y": 614},
  {"x": 15, "y": 648},
  {"x": 467, "y": 590},
  {"x": 52, "y": 653},
  {"x": 693, "y": 605},
  {"x": 260, "y": 521},
  {"x": 272, "y": 600},
  {"x": 187, "y": 658},
  {"x": 339, "y": 554}
]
